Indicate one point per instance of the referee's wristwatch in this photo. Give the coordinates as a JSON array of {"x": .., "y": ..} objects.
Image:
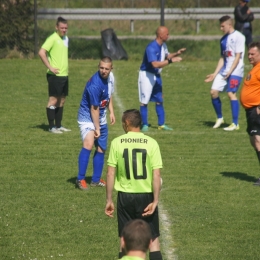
[{"x": 169, "y": 61}]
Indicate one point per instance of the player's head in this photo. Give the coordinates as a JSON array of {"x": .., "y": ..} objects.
[
  {"x": 254, "y": 53},
  {"x": 162, "y": 34},
  {"x": 244, "y": 1},
  {"x": 105, "y": 66},
  {"x": 131, "y": 119},
  {"x": 226, "y": 24},
  {"x": 136, "y": 236},
  {"x": 61, "y": 26}
]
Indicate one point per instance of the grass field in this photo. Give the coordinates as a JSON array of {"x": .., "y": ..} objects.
[{"x": 212, "y": 208}]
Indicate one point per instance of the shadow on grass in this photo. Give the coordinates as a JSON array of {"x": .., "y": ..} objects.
[
  {"x": 42, "y": 126},
  {"x": 210, "y": 124},
  {"x": 73, "y": 180},
  {"x": 240, "y": 176}
]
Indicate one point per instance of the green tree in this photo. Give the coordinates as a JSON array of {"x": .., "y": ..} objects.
[{"x": 16, "y": 20}]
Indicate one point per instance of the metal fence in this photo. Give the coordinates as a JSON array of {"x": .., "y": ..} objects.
[{"x": 47, "y": 11}]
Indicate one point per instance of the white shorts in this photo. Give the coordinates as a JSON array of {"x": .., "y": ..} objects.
[
  {"x": 219, "y": 83},
  {"x": 85, "y": 128},
  {"x": 146, "y": 81}
]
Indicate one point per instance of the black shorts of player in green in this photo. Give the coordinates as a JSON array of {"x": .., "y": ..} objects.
[
  {"x": 131, "y": 206},
  {"x": 57, "y": 86}
]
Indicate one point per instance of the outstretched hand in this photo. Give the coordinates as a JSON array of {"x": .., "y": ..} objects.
[
  {"x": 209, "y": 78},
  {"x": 180, "y": 51}
]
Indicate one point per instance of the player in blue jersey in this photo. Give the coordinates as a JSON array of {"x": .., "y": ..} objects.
[
  {"x": 97, "y": 97},
  {"x": 156, "y": 57},
  {"x": 229, "y": 72}
]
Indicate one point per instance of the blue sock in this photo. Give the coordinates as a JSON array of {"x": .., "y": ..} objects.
[
  {"x": 144, "y": 114},
  {"x": 83, "y": 162},
  {"x": 160, "y": 113},
  {"x": 216, "y": 102},
  {"x": 235, "y": 110},
  {"x": 98, "y": 162}
]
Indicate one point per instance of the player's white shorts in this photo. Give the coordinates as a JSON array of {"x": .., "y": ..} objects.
[
  {"x": 85, "y": 128},
  {"x": 219, "y": 83},
  {"x": 230, "y": 84},
  {"x": 146, "y": 81}
]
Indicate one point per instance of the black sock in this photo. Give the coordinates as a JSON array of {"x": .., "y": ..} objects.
[
  {"x": 50, "y": 116},
  {"x": 155, "y": 255},
  {"x": 58, "y": 116}
]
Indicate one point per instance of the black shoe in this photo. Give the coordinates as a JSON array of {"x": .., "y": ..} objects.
[{"x": 257, "y": 182}]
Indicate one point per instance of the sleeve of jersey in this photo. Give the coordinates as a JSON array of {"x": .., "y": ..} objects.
[
  {"x": 48, "y": 44},
  {"x": 112, "y": 157},
  {"x": 156, "y": 159},
  {"x": 112, "y": 80},
  {"x": 94, "y": 94},
  {"x": 151, "y": 54},
  {"x": 240, "y": 44}
]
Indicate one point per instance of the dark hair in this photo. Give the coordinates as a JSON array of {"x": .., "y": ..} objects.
[
  {"x": 61, "y": 20},
  {"x": 224, "y": 18},
  {"x": 106, "y": 59},
  {"x": 137, "y": 235},
  {"x": 254, "y": 44},
  {"x": 133, "y": 116}
]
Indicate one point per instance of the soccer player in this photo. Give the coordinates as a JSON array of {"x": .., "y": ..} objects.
[
  {"x": 250, "y": 99},
  {"x": 134, "y": 165},
  {"x": 229, "y": 72},
  {"x": 136, "y": 239},
  {"x": 92, "y": 121},
  {"x": 54, "y": 55},
  {"x": 156, "y": 57}
]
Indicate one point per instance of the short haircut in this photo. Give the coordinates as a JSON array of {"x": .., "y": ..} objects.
[
  {"x": 253, "y": 45},
  {"x": 133, "y": 116},
  {"x": 225, "y": 18},
  {"x": 137, "y": 235},
  {"x": 61, "y": 20},
  {"x": 106, "y": 59}
]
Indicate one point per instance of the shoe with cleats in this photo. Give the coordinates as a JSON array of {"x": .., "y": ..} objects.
[
  {"x": 82, "y": 184},
  {"x": 232, "y": 127},
  {"x": 257, "y": 183},
  {"x": 219, "y": 122},
  {"x": 164, "y": 127},
  {"x": 100, "y": 183},
  {"x": 54, "y": 130},
  {"x": 144, "y": 128},
  {"x": 63, "y": 129}
]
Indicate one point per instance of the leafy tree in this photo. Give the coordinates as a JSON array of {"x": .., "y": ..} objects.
[{"x": 16, "y": 20}]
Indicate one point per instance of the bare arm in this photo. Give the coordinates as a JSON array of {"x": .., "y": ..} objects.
[
  {"x": 95, "y": 117},
  {"x": 234, "y": 65},
  {"x": 43, "y": 55},
  {"x": 111, "y": 111},
  {"x": 149, "y": 210},
  {"x": 211, "y": 77},
  {"x": 174, "y": 54},
  {"x": 110, "y": 208}
]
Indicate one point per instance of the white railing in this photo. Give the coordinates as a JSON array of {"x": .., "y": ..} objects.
[{"x": 132, "y": 14}]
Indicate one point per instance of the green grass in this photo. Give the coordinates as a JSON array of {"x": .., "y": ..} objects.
[{"x": 208, "y": 195}]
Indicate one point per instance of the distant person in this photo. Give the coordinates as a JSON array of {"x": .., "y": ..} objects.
[
  {"x": 228, "y": 73},
  {"x": 156, "y": 57},
  {"x": 250, "y": 99},
  {"x": 134, "y": 165},
  {"x": 136, "y": 239},
  {"x": 243, "y": 19},
  {"x": 54, "y": 55},
  {"x": 96, "y": 98}
]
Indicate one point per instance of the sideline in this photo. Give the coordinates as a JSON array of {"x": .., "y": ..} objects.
[{"x": 165, "y": 223}]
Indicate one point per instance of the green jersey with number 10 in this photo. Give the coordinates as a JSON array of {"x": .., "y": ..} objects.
[{"x": 135, "y": 156}]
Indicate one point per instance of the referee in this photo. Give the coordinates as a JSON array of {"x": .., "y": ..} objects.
[
  {"x": 250, "y": 99},
  {"x": 134, "y": 165}
]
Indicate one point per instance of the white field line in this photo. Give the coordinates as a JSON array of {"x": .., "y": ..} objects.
[{"x": 166, "y": 240}]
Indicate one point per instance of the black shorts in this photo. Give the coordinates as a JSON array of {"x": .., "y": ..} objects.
[
  {"x": 58, "y": 86},
  {"x": 253, "y": 121},
  {"x": 131, "y": 206}
]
